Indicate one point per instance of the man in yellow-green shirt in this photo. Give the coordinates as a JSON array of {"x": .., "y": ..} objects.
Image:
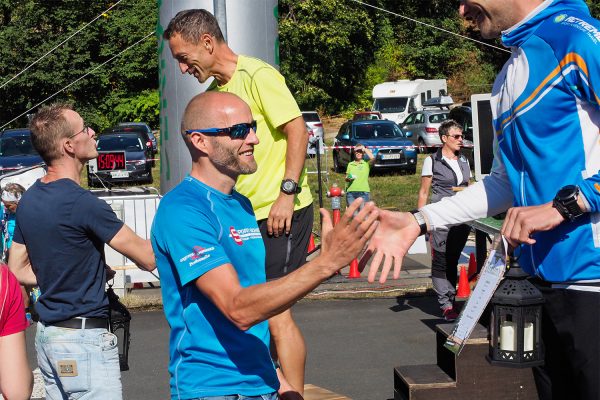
[{"x": 278, "y": 190}]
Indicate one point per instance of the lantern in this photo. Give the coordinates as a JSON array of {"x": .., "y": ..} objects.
[
  {"x": 119, "y": 319},
  {"x": 515, "y": 326}
]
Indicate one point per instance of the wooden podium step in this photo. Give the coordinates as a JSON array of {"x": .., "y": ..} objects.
[
  {"x": 414, "y": 378},
  {"x": 468, "y": 376},
  {"x": 312, "y": 392}
]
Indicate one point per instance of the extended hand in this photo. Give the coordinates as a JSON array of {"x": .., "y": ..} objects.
[
  {"x": 397, "y": 231},
  {"x": 522, "y": 222},
  {"x": 344, "y": 242},
  {"x": 280, "y": 216}
]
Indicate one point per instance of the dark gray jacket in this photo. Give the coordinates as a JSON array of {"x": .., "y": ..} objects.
[{"x": 444, "y": 178}]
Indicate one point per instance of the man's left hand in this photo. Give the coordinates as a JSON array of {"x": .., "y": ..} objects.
[
  {"x": 522, "y": 222},
  {"x": 280, "y": 216}
]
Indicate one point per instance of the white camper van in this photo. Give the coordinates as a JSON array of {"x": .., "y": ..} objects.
[{"x": 395, "y": 100}]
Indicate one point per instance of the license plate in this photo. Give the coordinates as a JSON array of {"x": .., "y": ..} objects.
[
  {"x": 119, "y": 174},
  {"x": 390, "y": 156}
]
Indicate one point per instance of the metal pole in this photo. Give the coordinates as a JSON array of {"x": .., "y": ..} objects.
[
  {"x": 221, "y": 15},
  {"x": 319, "y": 183}
]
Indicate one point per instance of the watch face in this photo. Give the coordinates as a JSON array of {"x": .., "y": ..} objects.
[
  {"x": 288, "y": 186},
  {"x": 567, "y": 192}
]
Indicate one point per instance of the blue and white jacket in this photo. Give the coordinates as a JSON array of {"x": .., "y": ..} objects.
[{"x": 546, "y": 106}]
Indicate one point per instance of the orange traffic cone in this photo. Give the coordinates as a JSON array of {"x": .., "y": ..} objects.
[
  {"x": 311, "y": 243},
  {"x": 354, "y": 273},
  {"x": 472, "y": 266},
  {"x": 464, "y": 291}
]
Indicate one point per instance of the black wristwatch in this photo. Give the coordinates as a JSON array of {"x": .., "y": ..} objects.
[
  {"x": 289, "y": 186},
  {"x": 565, "y": 202},
  {"x": 420, "y": 220}
]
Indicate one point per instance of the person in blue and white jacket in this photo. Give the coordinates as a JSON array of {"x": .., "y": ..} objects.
[{"x": 546, "y": 109}]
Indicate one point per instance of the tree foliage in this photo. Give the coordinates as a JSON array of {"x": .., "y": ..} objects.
[
  {"x": 29, "y": 29},
  {"x": 332, "y": 53}
]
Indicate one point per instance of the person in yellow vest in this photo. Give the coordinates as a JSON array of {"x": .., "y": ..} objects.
[{"x": 278, "y": 190}]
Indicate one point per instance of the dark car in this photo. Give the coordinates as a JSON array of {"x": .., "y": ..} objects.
[
  {"x": 141, "y": 127},
  {"x": 391, "y": 148},
  {"x": 122, "y": 158},
  {"x": 16, "y": 150},
  {"x": 463, "y": 115}
]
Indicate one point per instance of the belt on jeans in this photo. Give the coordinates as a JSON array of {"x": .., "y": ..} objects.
[{"x": 78, "y": 323}]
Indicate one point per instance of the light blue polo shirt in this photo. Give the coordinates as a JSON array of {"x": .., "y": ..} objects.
[{"x": 196, "y": 229}]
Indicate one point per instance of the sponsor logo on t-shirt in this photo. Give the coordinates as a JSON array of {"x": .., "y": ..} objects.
[
  {"x": 235, "y": 236},
  {"x": 198, "y": 254},
  {"x": 241, "y": 235}
]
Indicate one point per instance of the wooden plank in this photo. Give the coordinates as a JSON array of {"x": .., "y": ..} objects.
[{"x": 312, "y": 392}]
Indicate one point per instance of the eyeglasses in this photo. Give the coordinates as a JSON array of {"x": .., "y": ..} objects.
[
  {"x": 85, "y": 129},
  {"x": 237, "y": 131},
  {"x": 455, "y": 136}
]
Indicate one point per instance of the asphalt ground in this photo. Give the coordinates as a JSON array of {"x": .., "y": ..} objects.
[{"x": 353, "y": 346}]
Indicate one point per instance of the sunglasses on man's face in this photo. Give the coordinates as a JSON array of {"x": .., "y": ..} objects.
[
  {"x": 455, "y": 136},
  {"x": 237, "y": 131}
]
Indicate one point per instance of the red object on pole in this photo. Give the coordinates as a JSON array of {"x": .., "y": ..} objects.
[
  {"x": 354, "y": 273},
  {"x": 472, "y": 266},
  {"x": 464, "y": 291},
  {"x": 336, "y": 193},
  {"x": 336, "y": 216},
  {"x": 311, "y": 243}
]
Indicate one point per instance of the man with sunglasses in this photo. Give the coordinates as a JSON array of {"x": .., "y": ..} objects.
[
  {"x": 58, "y": 244},
  {"x": 211, "y": 257},
  {"x": 546, "y": 116},
  {"x": 279, "y": 190}
]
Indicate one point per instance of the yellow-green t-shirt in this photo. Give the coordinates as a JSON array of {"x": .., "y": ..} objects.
[{"x": 272, "y": 105}]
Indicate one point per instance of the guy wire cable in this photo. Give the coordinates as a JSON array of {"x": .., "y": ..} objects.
[
  {"x": 431, "y": 26},
  {"x": 58, "y": 45},
  {"x": 80, "y": 78}
]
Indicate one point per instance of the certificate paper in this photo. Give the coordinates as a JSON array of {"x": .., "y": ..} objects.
[{"x": 489, "y": 279}]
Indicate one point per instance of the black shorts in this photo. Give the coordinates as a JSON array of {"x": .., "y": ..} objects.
[{"x": 287, "y": 253}]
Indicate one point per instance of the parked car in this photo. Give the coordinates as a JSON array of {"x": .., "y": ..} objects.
[
  {"x": 313, "y": 122},
  {"x": 122, "y": 158},
  {"x": 140, "y": 127},
  {"x": 16, "y": 150},
  {"x": 424, "y": 126},
  {"x": 391, "y": 148},
  {"x": 463, "y": 115},
  {"x": 361, "y": 115}
]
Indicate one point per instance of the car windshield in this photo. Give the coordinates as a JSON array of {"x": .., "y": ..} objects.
[
  {"x": 121, "y": 142},
  {"x": 391, "y": 105},
  {"x": 311, "y": 117},
  {"x": 16, "y": 146},
  {"x": 378, "y": 131},
  {"x": 438, "y": 118}
]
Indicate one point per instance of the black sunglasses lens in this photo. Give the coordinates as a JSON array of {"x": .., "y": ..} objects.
[{"x": 240, "y": 131}]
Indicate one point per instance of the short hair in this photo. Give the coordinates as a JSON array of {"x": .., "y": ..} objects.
[
  {"x": 447, "y": 125},
  {"x": 192, "y": 24},
  {"x": 48, "y": 126},
  {"x": 15, "y": 189}
]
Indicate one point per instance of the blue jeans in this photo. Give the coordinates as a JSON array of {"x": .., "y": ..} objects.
[
  {"x": 351, "y": 196},
  {"x": 78, "y": 363},
  {"x": 269, "y": 396}
]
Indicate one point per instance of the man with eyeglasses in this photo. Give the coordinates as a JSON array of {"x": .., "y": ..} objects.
[
  {"x": 279, "y": 189},
  {"x": 58, "y": 244},
  {"x": 546, "y": 116},
  {"x": 211, "y": 257}
]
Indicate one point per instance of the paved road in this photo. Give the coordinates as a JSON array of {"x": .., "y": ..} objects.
[{"x": 353, "y": 345}]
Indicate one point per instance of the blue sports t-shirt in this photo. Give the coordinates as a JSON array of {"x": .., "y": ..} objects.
[
  {"x": 64, "y": 228},
  {"x": 196, "y": 229}
]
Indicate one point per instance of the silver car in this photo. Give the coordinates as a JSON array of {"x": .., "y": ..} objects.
[{"x": 424, "y": 125}]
